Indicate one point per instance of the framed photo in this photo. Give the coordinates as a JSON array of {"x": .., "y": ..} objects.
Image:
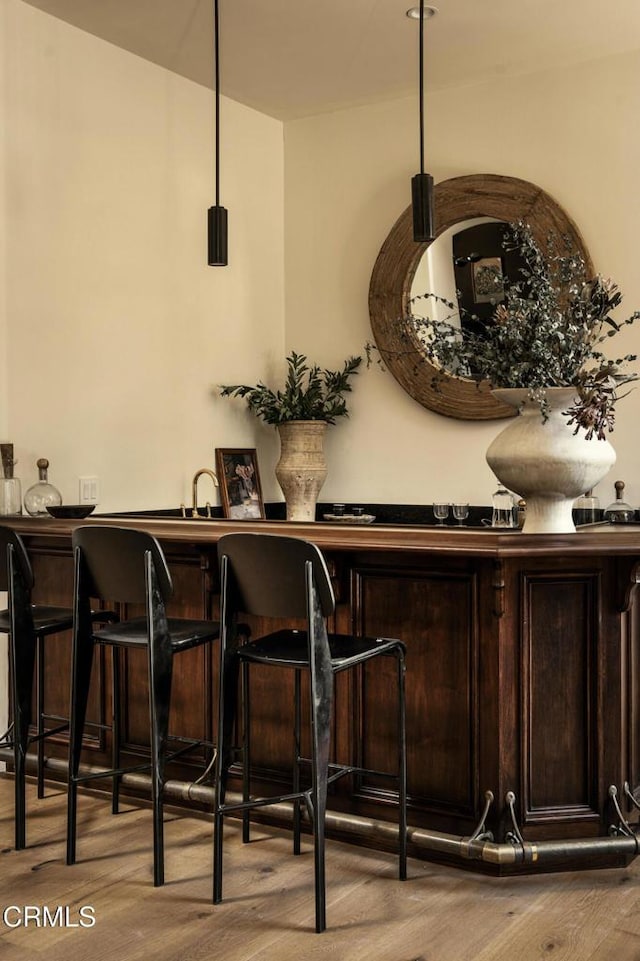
[
  {"x": 239, "y": 481},
  {"x": 488, "y": 280}
]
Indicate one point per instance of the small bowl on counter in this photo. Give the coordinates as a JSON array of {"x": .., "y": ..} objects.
[{"x": 71, "y": 511}]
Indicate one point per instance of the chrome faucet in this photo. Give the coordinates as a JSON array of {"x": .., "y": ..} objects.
[{"x": 196, "y": 477}]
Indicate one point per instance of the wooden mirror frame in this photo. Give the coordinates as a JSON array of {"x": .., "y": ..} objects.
[{"x": 456, "y": 200}]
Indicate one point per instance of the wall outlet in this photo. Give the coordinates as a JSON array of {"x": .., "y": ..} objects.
[{"x": 89, "y": 490}]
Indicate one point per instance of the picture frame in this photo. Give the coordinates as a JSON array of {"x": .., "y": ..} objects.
[
  {"x": 239, "y": 479},
  {"x": 488, "y": 280}
]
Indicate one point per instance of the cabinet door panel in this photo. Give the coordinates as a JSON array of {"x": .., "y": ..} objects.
[
  {"x": 434, "y": 613},
  {"x": 559, "y": 693}
]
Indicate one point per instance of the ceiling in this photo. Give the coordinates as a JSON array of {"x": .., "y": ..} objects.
[{"x": 292, "y": 58}]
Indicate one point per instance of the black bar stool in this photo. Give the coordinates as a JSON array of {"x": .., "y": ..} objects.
[
  {"x": 282, "y": 577},
  {"x": 127, "y": 566},
  {"x": 28, "y": 625}
]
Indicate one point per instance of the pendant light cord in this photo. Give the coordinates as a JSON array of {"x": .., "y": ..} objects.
[
  {"x": 216, "y": 58},
  {"x": 421, "y": 70},
  {"x": 422, "y": 183},
  {"x": 217, "y": 221}
]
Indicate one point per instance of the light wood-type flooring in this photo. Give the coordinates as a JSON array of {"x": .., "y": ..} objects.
[{"x": 439, "y": 914}]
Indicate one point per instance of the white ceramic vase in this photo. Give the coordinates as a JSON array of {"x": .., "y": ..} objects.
[
  {"x": 546, "y": 462},
  {"x": 302, "y": 469}
]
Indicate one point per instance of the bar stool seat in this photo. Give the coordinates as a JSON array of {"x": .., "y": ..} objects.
[
  {"x": 275, "y": 577},
  {"x": 127, "y": 566},
  {"x": 135, "y": 633},
  {"x": 46, "y": 620},
  {"x": 291, "y": 649}
]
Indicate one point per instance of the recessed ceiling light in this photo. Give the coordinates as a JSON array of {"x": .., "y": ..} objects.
[{"x": 414, "y": 12}]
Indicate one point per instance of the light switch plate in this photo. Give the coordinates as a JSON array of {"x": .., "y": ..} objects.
[{"x": 89, "y": 490}]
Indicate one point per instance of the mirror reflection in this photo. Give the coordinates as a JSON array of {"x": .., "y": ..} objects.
[{"x": 467, "y": 265}]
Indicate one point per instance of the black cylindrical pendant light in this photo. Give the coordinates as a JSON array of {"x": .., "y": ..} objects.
[
  {"x": 422, "y": 205},
  {"x": 217, "y": 215},
  {"x": 217, "y": 236},
  {"x": 422, "y": 183}
]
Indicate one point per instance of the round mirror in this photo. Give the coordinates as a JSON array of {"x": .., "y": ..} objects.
[{"x": 462, "y": 204}]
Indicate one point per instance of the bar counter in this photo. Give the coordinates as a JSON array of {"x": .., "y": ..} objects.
[
  {"x": 522, "y": 667},
  {"x": 475, "y": 541}
]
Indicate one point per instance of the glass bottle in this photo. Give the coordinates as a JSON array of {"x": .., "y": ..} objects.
[
  {"x": 619, "y": 512},
  {"x": 586, "y": 509},
  {"x": 42, "y": 494},
  {"x": 10, "y": 487},
  {"x": 503, "y": 514}
]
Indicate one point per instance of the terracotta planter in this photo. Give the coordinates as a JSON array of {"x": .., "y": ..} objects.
[
  {"x": 545, "y": 461},
  {"x": 302, "y": 469}
]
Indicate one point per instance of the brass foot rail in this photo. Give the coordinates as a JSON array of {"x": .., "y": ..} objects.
[{"x": 478, "y": 847}]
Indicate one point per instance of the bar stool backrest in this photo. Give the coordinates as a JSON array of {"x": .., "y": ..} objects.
[
  {"x": 269, "y": 574},
  {"x": 7, "y": 538},
  {"x": 114, "y": 560}
]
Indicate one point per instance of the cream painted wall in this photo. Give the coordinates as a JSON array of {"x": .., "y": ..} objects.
[
  {"x": 573, "y": 131},
  {"x": 117, "y": 329}
]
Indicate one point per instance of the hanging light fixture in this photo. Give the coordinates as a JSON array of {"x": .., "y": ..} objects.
[
  {"x": 422, "y": 183},
  {"x": 217, "y": 215}
]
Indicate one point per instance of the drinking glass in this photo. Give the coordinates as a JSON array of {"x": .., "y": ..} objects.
[
  {"x": 441, "y": 512},
  {"x": 461, "y": 512}
]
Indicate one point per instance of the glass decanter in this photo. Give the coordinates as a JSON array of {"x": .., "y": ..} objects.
[
  {"x": 502, "y": 513},
  {"x": 42, "y": 494},
  {"x": 619, "y": 512}
]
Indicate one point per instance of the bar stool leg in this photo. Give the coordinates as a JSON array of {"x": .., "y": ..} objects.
[
  {"x": 321, "y": 704},
  {"x": 297, "y": 725},
  {"x": 402, "y": 770},
  {"x": 320, "y": 764},
  {"x": 19, "y": 751},
  {"x": 246, "y": 749},
  {"x": 40, "y": 676},
  {"x": 82, "y": 661},
  {"x": 160, "y": 668},
  {"x": 227, "y": 713},
  {"x": 116, "y": 732},
  {"x": 24, "y": 658}
]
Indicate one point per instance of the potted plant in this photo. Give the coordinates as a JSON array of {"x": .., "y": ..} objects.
[
  {"x": 542, "y": 352},
  {"x": 312, "y": 398}
]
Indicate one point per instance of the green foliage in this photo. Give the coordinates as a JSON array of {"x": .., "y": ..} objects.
[
  {"x": 310, "y": 393},
  {"x": 548, "y": 332}
]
